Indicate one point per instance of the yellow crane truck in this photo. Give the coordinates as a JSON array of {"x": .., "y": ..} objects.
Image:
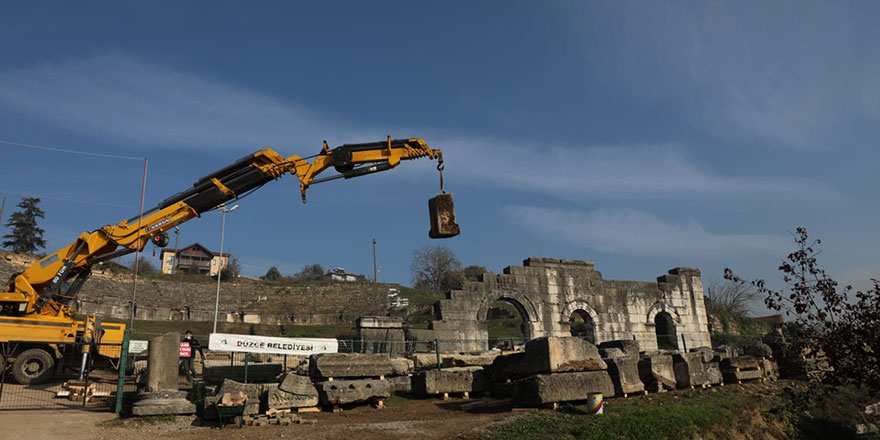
[{"x": 37, "y": 325}]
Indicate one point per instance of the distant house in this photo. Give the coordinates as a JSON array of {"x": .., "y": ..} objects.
[
  {"x": 339, "y": 274},
  {"x": 395, "y": 301},
  {"x": 775, "y": 321},
  {"x": 193, "y": 259}
]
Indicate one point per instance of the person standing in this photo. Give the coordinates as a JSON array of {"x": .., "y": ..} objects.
[{"x": 194, "y": 346}]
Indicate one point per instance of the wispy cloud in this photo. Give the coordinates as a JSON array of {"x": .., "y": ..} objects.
[
  {"x": 128, "y": 100},
  {"x": 125, "y": 99},
  {"x": 785, "y": 74},
  {"x": 570, "y": 172},
  {"x": 632, "y": 232}
]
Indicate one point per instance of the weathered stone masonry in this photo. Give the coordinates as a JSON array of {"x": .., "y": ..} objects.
[{"x": 547, "y": 291}]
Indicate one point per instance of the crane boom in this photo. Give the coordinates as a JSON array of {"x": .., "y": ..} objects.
[{"x": 42, "y": 296}]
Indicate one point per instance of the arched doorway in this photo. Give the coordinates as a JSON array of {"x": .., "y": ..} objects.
[
  {"x": 506, "y": 326},
  {"x": 582, "y": 326},
  {"x": 664, "y": 327}
]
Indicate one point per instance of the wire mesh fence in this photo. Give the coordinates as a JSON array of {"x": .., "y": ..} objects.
[{"x": 40, "y": 376}]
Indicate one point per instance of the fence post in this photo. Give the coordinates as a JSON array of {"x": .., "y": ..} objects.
[
  {"x": 437, "y": 351},
  {"x": 3, "y": 346},
  {"x": 123, "y": 357},
  {"x": 245, "y": 366}
]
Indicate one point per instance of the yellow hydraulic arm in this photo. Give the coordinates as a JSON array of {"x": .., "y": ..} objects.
[{"x": 48, "y": 287}]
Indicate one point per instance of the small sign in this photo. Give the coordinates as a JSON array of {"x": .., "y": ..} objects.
[
  {"x": 185, "y": 350},
  {"x": 137, "y": 346},
  {"x": 271, "y": 345}
]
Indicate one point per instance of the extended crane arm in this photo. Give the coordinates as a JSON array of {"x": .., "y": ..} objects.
[{"x": 45, "y": 283}]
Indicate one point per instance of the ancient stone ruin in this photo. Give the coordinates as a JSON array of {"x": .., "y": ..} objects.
[{"x": 668, "y": 314}]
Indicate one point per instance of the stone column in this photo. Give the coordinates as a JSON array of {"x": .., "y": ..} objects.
[{"x": 161, "y": 395}]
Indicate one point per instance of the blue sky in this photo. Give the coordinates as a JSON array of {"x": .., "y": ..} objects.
[{"x": 639, "y": 135}]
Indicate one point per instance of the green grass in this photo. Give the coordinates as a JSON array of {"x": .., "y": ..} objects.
[
  {"x": 807, "y": 412},
  {"x": 744, "y": 324},
  {"x": 418, "y": 297},
  {"x": 144, "y": 329},
  {"x": 672, "y": 416},
  {"x": 505, "y": 328},
  {"x": 340, "y": 331}
]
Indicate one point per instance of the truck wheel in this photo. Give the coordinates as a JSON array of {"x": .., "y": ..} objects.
[{"x": 32, "y": 367}]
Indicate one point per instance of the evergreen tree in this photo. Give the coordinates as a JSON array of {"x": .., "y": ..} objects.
[
  {"x": 273, "y": 274},
  {"x": 25, "y": 235}
]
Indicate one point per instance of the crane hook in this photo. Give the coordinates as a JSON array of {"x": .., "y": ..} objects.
[{"x": 440, "y": 168}]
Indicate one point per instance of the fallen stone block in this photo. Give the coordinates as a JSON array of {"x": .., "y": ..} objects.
[
  {"x": 156, "y": 403},
  {"x": 340, "y": 392},
  {"x": 231, "y": 387},
  {"x": 423, "y": 361},
  {"x": 401, "y": 366},
  {"x": 713, "y": 373},
  {"x": 233, "y": 399},
  {"x": 502, "y": 390},
  {"x": 736, "y": 376},
  {"x": 866, "y": 428},
  {"x": 560, "y": 387},
  {"x": 548, "y": 355},
  {"x": 706, "y": 352},
  {"x": 402, "y": 384},
  {"x": 688, "y": 368},
  {"x": 469, "y": 360},
  {"x": 624, "y": 373},
  {"x": 741, "y": 362},
  {"x": 294, "y": 391},
  {"x": 629, "y": 347},
  {"x": 557, "y": 355},
  {"x": 452, "y": 380},
  {"x": 657, "y": 373},
  {"x": 611, "y": 353},
  {"x": 350, "y": 365},
  {"x": 770, "y": 368},
  {"x": 758, "y": 350}
]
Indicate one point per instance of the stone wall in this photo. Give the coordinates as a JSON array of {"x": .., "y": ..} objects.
[
  {"x": 548, "y": 291},
  {"x": 244, "y": 300}
]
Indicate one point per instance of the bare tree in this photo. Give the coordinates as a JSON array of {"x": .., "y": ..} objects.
[
  {"x": 311, "y": 272},
  {"x": 435, "y": 268},
  {"x": 733, "y": 298},
  {"x": 473, "y": 272},
  {"x": 825, "y": 317}
]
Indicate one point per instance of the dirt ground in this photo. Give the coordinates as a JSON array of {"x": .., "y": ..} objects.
[{"x": 424, "y": 419}]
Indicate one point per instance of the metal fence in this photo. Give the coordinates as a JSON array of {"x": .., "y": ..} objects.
[
  {"x": 66, "y": 384},
  {"x": 39, "y": 376}
]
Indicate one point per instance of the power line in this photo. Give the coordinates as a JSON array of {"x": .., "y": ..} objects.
[
  {"x": 67, "y": 150},
  {"x": 62, "y": 199}
]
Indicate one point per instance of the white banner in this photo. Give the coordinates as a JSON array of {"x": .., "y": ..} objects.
[{"x": 270, "y": 345}]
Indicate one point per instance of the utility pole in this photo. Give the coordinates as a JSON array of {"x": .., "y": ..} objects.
[
  {"x": 223, "y": 209},
  {"x": 176, "y": 250},
  {"x": 375, "y": 266},
  {"x": 3, "y": 205}
]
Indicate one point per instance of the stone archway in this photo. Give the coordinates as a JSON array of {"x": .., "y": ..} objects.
[
  {"x": 523, "y": 305},
  {"x": 664, "y": 329},
  {"x": 581, "y": 311},
  {"x": 659, "y": 307},
  {"x": 582, "y": 326}
]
